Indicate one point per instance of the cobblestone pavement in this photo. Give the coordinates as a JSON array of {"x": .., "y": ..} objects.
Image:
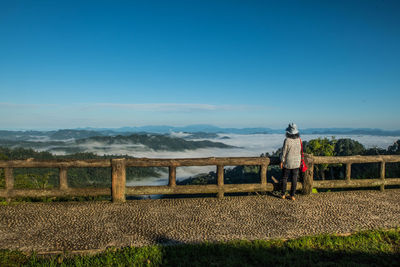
[{"x": 71, "y": 226}]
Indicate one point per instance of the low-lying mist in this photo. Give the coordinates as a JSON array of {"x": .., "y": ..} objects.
[{"x": 251, "y": 145}]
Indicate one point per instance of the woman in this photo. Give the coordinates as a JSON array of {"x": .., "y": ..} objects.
[{"x": 290, "y": 159}]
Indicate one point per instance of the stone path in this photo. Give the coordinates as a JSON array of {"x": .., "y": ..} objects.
[{"x": 71, "y": 226}]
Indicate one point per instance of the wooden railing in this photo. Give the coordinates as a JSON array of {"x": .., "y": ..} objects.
[
  {"x": 119, "y": 189},
  {"x": 349, "y": 160},
  {"x": 220, "y": 188},
  {"x": 63, "y": 190}
]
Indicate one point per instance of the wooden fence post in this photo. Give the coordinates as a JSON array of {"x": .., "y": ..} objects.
[
  {"x": 348, "y": 171},
  {"x": 383, "y": 167},
  {"x": 263, "y": 175},
  {"x": 309, "y": 175},
  {"x": 9, "y": 177},
  {"x": 220, "y": 181},
  {"x": 63, "y": 178},
  {"x": 172, "y": 176},
  {"x": 118, "y": 182}
]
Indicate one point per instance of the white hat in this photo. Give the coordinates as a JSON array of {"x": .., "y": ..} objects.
[{"x": 292, "y": 129}]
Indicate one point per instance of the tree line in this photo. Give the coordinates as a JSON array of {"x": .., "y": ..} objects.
[{"x": 348, "y": 147}]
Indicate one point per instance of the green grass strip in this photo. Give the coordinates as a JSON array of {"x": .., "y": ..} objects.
[{"x": 366, "y": 248}]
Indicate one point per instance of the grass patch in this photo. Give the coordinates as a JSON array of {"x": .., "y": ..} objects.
[{"x": 374, "y": 247}]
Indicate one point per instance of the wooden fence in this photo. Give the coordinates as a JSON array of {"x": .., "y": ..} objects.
[
  {"x": 119, "y": 189},
  {"x": 351, "y": 183}
]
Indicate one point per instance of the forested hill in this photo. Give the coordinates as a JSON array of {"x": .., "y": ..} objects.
[
  {"x": 154, "y": 141},
  {"x": 134, "y": 142},
  {"x": 48, "y": 135}
]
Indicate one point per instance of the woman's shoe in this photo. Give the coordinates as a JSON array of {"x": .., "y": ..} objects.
[
  {"x": 292, "y": 198},
  {"x": 283, "y": 197}
]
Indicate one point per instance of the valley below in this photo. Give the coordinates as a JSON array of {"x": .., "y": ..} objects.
[{"x": 171, "y": 145}]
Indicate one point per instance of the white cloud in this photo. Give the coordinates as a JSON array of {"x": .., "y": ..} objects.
[
  {"x": 17, "y": 105},
  {"x": 175, "y": 107},
  {"x": 158, "y": 107},
  {"x": 140, "y": 107},
  {"x": 73, "y": 115}
]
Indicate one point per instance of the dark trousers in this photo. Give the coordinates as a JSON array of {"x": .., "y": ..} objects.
[{"x": 294, "y": 173}]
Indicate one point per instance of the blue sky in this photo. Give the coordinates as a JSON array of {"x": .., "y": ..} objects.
[{"x": 66, "y": 64}]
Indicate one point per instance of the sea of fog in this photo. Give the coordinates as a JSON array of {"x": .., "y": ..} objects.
[{"x": 251, "y": 145}]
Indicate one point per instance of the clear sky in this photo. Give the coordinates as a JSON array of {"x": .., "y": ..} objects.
[{"x": 66, "y": 64}]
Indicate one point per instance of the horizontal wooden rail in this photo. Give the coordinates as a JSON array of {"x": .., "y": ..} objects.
[
  {"x": 354, "y": 183},
  {"x": 232, "y": 161},
  {"x": 200, "y": 189},
  {"x": 355, "y": 159},
  {"x": 70, "y": 192},
  {"x": 136, "y": 162},
  {"x": 88, "y": 163}
]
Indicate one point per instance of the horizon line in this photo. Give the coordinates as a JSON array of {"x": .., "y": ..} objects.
[{"x": 188, "y": 125}]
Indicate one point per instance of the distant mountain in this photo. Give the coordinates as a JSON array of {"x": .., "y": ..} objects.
[
  {"x": 257, "y": 130},
  {"x": 152, "y": 141},
  {"x": 134, "y": 142},
  {"x": 192, "y": 132},
  {"x": 351, "y": 131},
  {"x": 205, "y": 128},
  {"x": 73, "y": 134},
  {"x": 24, "y": 135},
  {"x": 201, "y": 135},
  {"x": 60, "y": 135}
]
